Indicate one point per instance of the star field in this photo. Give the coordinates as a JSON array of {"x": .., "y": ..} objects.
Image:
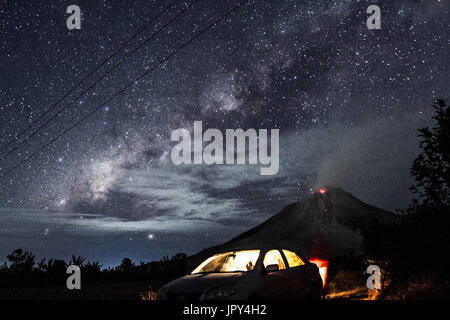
[{"x": 347, "y": 101}]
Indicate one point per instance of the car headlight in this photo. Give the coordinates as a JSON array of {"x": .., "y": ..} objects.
[{"x": 220, "y": 293}]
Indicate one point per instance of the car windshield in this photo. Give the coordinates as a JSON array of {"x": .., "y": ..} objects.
[{"x": 234, "y": 261}]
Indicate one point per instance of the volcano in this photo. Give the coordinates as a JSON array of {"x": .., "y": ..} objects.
[{"x": 325, "y": 224}]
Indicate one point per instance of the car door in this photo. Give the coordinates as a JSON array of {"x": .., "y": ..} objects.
[
  {"x": 277, "y": 284},
  {"x": 300, "y": 274}
]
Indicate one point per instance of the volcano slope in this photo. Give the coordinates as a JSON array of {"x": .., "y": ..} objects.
[{"x": 323, "y": 224}]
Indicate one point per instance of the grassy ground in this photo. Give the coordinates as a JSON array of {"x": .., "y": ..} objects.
[
  {"x": 116, "y": 291},
  {"x": 346, "y": 284}
]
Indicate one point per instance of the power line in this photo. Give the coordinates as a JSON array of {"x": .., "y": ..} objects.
[
  {"x": 128, "y": 86},
  {"x": 98, "y": 80},
  {"x": 85, "y": 78}
]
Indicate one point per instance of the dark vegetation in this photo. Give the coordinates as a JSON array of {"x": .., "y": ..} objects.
[
  {"x": 346, "y": 274},
  {"x": 24, "y": 271},
  {"x": 414, "y": 253}
]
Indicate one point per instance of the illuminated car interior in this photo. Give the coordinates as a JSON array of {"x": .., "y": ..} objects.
[
  {"x": 235, "y": 261},
  {"x": 274, "y": 257},
  {"x": 245, "y": 260},
  {"x": 293, "y": 259}
]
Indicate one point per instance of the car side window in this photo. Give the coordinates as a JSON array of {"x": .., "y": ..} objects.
[
  {"x": 293, "y": 259},
  {"x": 274, "y": 257}
]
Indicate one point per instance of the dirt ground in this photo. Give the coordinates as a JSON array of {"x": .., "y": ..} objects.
[{"x": 116, "y": 291}]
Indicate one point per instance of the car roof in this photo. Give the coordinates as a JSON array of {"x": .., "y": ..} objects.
[{"x": 262, "y": 249}]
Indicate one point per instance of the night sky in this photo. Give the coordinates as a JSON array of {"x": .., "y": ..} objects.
[{"x": 347, "y": 101}]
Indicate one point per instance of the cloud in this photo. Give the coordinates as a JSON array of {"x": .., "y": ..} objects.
[
  {"x": 324, "y": 90},
  {"x": 364, "y": 158}
]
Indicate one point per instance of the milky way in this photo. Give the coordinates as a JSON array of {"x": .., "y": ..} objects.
[{"x": 347, "y": 101}]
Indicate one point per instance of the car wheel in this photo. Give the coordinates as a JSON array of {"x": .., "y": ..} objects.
[{"x": 314, "y": 293}]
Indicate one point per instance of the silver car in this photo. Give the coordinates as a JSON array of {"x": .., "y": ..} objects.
[{"x": 248, "y": 275}]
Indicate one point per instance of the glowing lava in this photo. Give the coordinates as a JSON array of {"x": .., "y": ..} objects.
[{"x": 323, "y": 268}]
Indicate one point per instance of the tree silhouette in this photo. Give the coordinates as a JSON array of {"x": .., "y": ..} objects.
[
  {"x": 21, "y": 262},
  {"x": 431, "y": 169},
  {"x": 56, "y": 266},
  {"x": 179, "y": 256},
  {"x": 126, "y": 265},
  {"x": 23, "y": 271},
  {"x": 42, "y": 265},
  {"x": 78, "y": 261},
  {"x": 92, "y": 267},
  {"x": 409, "y": 247}
]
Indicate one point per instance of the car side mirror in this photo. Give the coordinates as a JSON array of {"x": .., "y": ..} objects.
[{"x": 271, "y": 268}]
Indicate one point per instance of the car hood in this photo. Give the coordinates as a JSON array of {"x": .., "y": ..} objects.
[{"x": 200, "y": 282}]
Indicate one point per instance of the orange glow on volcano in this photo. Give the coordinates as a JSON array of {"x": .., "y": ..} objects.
[{"x": 323, "y": 268}]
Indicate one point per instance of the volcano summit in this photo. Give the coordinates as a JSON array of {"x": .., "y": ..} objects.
[{"x": 325, "y": 224}]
